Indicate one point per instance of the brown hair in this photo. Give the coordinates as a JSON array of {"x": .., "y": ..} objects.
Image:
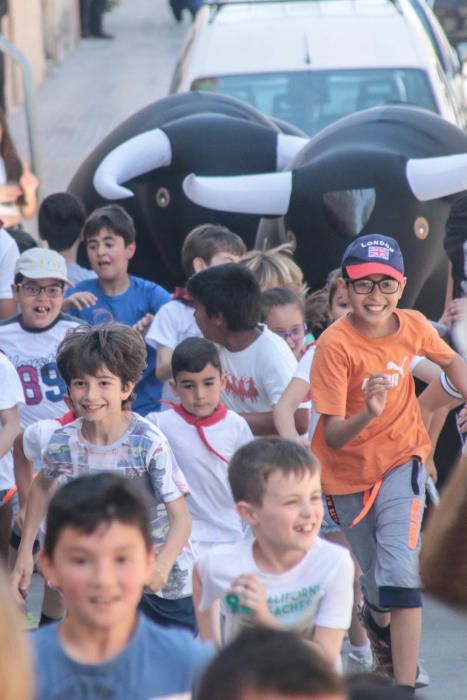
[
  {"x": 318, "y": 304},
  {"x": 208, "y": 240},
  {"x": 86, "y": 349},
  {"x": 113, "y": 217},
  {"x": 281, "y": 296},
  {"x": 275, "y": 268},
  {"x": 252, "y": 465}
]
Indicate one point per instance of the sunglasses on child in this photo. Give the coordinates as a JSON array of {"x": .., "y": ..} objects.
[
  {"x": 365, "y": 286},
  {"x": 31, "y": 289}
]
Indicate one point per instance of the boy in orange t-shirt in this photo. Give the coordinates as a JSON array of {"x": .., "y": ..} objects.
[{"x": 371, "y": 442}]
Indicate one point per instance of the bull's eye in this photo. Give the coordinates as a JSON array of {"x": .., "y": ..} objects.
[
  {"x": 421, "y": 228},
  {"x": 162, "y": 197}
]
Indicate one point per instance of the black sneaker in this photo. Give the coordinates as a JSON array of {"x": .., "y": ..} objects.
[{"x": 380, "y": 640}]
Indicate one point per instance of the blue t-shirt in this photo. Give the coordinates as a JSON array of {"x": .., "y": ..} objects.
[
  {"x": 142, "y": 297},
  {"x": 157, "y": 663}
]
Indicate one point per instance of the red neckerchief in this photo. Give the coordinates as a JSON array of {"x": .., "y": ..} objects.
[
  {"x": 200, "y": 423},
  {"x": 67, "y": 418},
  {"x": 181, "y": 294},
  {"x": 307, "y": 347}
]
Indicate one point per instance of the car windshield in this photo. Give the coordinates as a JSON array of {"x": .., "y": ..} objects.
[{"x": 311, "y": 100}]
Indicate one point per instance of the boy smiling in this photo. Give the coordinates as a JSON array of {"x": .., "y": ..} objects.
[
  {"x": 98, "y": 553},
  {"x": 371, "y": 442},
  {"x": 101, "y": 367},
  {"x": 285, "y": 576}
]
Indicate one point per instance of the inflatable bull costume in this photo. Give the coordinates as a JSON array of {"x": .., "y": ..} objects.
[{"x": 193, "y": 158}]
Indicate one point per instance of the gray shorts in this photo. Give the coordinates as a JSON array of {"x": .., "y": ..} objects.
[{"x": 386, "y": 543}]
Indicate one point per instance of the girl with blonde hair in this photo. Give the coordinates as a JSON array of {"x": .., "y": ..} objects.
[{"x": 275, "y": 268}]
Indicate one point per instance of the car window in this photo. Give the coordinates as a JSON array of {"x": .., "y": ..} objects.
[{"x": 311, "y": 100}]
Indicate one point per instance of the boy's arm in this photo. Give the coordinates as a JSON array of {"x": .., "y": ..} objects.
[
  {"x": 38, "y": 499},
  {"x": 262, "y": 423},
  {"x": 163, "y": 363},
  {"x": 22, "y": 468},
  {"x": 74, "y": 303},
  {"x": 339, "y": 431},
  {"x": 328, "y": 642},
  {"x": 9, "y": 418},
  {"x": 456, "y": 372},
  {"x": 283, "y": 412},
  {"x": 208, "y": 620},
  {"x": 177, "y": 537}
]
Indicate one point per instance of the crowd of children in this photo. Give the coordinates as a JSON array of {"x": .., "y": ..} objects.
[{"x": 208, "y": 511}]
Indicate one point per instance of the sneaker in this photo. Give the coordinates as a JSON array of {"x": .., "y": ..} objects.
[
  {"x": 380, "y": 640},
  {"x": 423, "y": 679},
  {"x": 359, "y": 663}
]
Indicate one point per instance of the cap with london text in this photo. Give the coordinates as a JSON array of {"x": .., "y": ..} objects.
[{"x": 373, "y": 254}]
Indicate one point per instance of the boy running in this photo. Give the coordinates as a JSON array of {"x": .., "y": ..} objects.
[
  {"x": 204, "y": 435},
  {"x": 285, "y": 576},
  {"x": 101, "y": 367},
  {"x": 110, "y": 238},
  {"x": 371, "y": 442},
  {"x": 98, "y": 553}
]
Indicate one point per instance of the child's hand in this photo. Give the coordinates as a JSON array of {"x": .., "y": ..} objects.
[
  {"x": 28, "y": 181},
  {"x": 252, "y": 595},
  {"x": 10, "y": 193},
  {"x": 462, "y": 420},
  {"x": 143, "y": 324},
  {"x": 79, "y": 300},
  {"x": 455, "y": 311},
  {"x": 158, "y": 580},
  {"x": 375, "y": 392},
  {"x": 431, "y": 469}
]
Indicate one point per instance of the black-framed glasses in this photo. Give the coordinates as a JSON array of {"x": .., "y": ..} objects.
[
  {"x": 388, "y": 285},
  {"x": 32, "y": 289}
]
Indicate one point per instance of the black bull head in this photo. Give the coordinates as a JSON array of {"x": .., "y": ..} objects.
[
  {"x": 387, "y": 170},
  {"x": 154, "y": 150}
]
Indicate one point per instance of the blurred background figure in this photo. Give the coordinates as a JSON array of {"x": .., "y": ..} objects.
[
  {"x": 18, "y": 185},
  {"x": 91, "y": 14},
  {"x": 15, "y": 659},
  {"x": 268, "y": 664}
]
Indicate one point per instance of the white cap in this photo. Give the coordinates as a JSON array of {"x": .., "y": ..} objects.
[{"x": 42, "y": 263}]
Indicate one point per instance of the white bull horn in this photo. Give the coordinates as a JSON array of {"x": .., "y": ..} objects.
[
  {"x": 138, "y": 155},
  {"x": 266, "y": 194},
  {"x": 287, "y": 148},
  {"x": 431, "y": 178}
]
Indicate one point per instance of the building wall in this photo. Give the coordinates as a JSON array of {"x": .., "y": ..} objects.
[{"x": 45, "y": 31}]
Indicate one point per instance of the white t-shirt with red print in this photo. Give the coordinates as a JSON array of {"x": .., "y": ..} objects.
[{"x": 258, "y": 375}]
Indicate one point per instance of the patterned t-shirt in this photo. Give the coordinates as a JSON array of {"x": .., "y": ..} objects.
[{"x": 143, "y": 453}]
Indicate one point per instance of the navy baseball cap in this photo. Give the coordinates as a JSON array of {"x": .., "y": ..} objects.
[{"x": 374, "y": 254}]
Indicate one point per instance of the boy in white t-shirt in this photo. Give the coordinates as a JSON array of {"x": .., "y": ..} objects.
[
  {"x": 205, "y": 245},
  {"x": 284, "y": 576},
  {"x": 204, "y": 435},
  {"x": 11, "y": 397},
  {"x": 258, "y": 363}
]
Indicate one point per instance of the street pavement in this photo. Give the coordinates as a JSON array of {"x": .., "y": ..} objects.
[{"x": 81, "y": 100}]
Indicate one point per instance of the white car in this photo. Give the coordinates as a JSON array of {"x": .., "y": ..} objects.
[{"x": 311, "y": 62}]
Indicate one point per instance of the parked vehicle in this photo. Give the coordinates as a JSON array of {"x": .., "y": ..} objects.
[{"x": 311, "y": 62}]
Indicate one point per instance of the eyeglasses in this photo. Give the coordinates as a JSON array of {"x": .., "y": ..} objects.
[
  {"x": 31, "y": 289},
  {"x": 365, "y": 286},
  {"x": 296, "y": 333}
]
